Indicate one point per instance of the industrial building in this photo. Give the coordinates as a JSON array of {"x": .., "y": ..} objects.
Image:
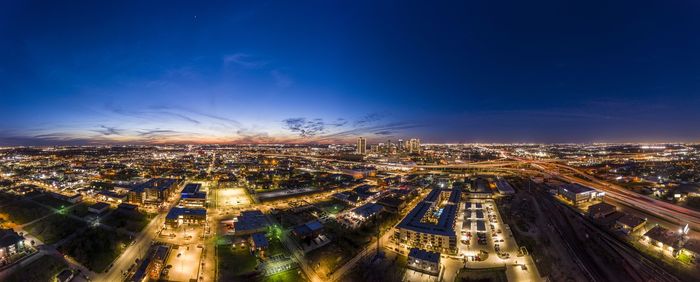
[{"x": 578, "y": 194}]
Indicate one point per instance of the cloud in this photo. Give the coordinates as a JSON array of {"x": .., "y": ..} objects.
[
  {"x": 370, "y": 118},
  {"x": 380, "y": 129},
  {"x": 107, "y": 130},
  {"x": 244, "y": 60},
  {"x": 338, "y": 122},
  {"x": 157, "y": 132},
  {"x": 281, "y": 79},
  {"x": 305, "y": 128},
  {"x": 384, "y": 132}
]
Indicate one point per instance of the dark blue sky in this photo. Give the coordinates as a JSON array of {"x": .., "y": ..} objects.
[{"x": 328, "y": 71}]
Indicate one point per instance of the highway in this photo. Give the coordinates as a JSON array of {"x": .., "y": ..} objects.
[{"x": 667, "y": 211}]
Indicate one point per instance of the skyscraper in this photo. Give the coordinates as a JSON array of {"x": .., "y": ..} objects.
[
  {"x": 414, "y": 145},
  {"x": 361, "y": 145}
]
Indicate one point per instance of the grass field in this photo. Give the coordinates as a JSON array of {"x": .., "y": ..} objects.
[
  {"x": 22, "y": 212},
  {"x": 44, "y": 268},
  {"x": 51, "y": 201},
  {"x": 287, "y": 276},
  {"x": 96, "y": 248},
  {"x": 235, "y": 263},
  {"x": 54, "y": 228},
  {"x": 134, "y": 222}
]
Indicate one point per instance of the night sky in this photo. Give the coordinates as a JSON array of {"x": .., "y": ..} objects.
[{"x": 92, "y": 72}]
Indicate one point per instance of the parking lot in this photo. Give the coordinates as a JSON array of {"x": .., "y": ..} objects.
[
  {"x": 184, "y": 263},
  {"x": 486, "y": 242}
]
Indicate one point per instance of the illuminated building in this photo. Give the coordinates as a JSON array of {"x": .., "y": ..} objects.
[
  {"x": 424, "y": 261},
  {"x": 361, "y": 146},
  {"x": 431, "y": 224}
]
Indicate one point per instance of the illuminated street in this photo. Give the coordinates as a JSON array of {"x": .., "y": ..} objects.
[{"x": 325, "y": 141}]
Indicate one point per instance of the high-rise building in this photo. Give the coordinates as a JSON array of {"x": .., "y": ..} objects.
[
  {"x": 361, "y": 145},
  {"x": 414, "y": 145}
]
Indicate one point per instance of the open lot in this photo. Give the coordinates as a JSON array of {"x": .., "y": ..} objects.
[
  {"x": 131, "y": 221},
  {"x": 51, "y": 201},
  {"x": 80, "y": 210},
  {"x": 332, "y": 207},
  {"x": 232, "y": 197},
  {"x": 23, "y": 211},
  {"x": 327, "y": 258},
  {"x": 287, "y": 276},
  {"x": 235, "y": 264},
  {"x": 54, "y": 228},
  {"x": 96, "y": 248},
  {"x": 6, "y": 198},
  {"x": 44, "y": 268}
]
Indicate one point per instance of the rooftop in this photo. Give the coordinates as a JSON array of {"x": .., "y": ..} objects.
[
  {"x": 601, "y": 208},
  {"x": 445, "y": 216},
  {"x": 191, "y": 189},
  {"x": 631, "y": 220},
  {"x": 155, "y": 183},
  {"x": 250, "y": 220},
  {"x": 577, "y": 188},
  {"x": 424, "y": 255},
  {"x": 174, "y": 213},
  {"x": 663, "y": 235},
  {"x": 368, "y": 209}
]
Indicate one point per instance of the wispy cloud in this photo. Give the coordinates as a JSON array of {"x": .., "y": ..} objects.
[
  {"x": 108, "y": 130},
  {"x": 305, "y": 128},
  {"x": 244, "y": 60},
  {"x": 281, "y": 79},
  {"x": 370, "y": 118}
]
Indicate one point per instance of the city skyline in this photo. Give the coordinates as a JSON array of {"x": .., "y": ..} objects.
[{"x": 229, "y": 73}]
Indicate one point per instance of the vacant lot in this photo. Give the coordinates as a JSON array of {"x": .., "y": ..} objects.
[
  {"x": 6, "y": 198},
  {"x": 80, "y": 210},
  {"x": 96, "y": 248},
  {"x": 328, "y": 258},
  {"x": 332, "y": 207},
  {"x": 131, "y": 221},
  {"x": 235, "y": 264},
  {"x": 289, "y": 275},
  {"x": 54, "y": 228},
  {"x": 22, "y": 211},
  {"x": 51, "y": 201},
  {"x": 44, "y": 268}
]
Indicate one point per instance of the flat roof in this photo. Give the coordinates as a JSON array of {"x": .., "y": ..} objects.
[
  {"x": 504, "y": 187},
  {"x": 155, "y": 183},
  {"x": 250, "y": 220},
  {"x": 260, "y": 240},
  {"x": 631, "y": 220},
  {"x": 577, "y": 188},
  {"x": 444, "y": 226},
  {"x": 417, "y": 253},
  {"x": 174, "y": 213},
  {"x": 368, "y": 209},
  {"x": 191, "y": 188},
  {"x": 601, "y": 207}
]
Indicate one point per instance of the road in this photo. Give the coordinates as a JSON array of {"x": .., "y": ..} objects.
[
  {"x": 667, "y": 211},
  {"x": 137, "y": 250}
]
